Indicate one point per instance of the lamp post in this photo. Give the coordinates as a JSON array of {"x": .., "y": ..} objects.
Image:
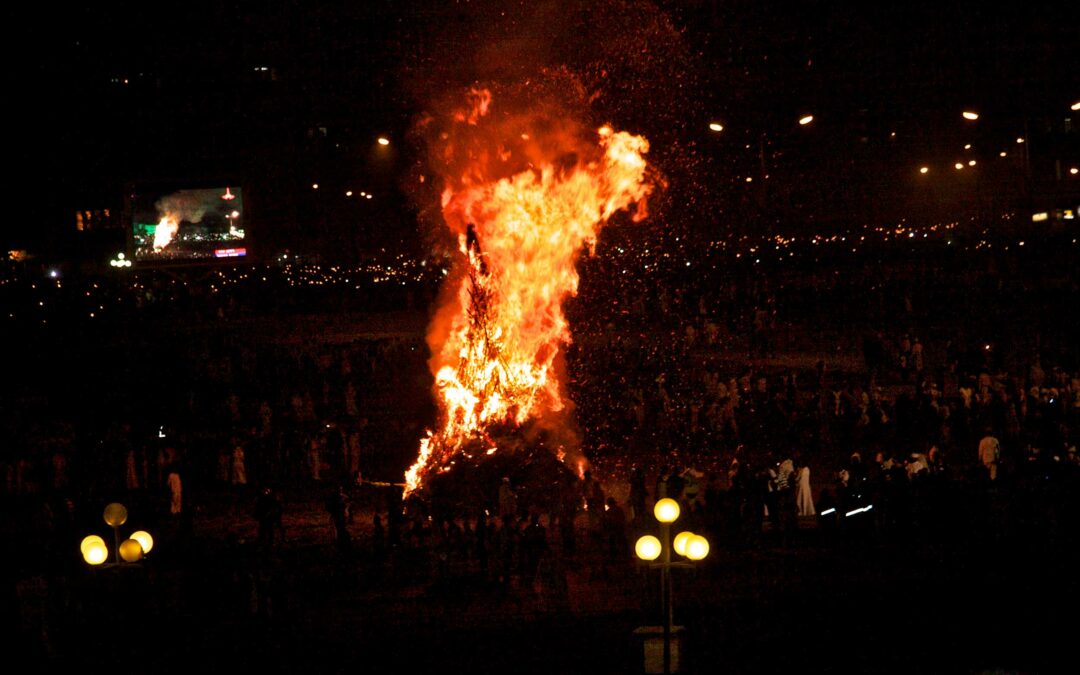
[
  {"x": 692, "y": 546},
  {"x": 134, "y": 548}
]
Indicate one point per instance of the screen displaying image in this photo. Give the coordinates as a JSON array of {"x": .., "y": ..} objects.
[{"x": 189, "y": 224}]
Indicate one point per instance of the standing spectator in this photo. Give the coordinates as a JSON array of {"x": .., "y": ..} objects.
[
  {"x": 917, "y": 358},
  {"x": 989, "y": 453},
  {"x": 131, "y": 471},
  {"x": 804, "y": 498},
  {"x": 176, "y": 491},
  {"x": 378, "y": 539},
  {"x": 784, "y": 486},
  {"x": 224, "y": 466},
  {"x": 615, "y": 529},
  {"x": 691, "y": 490},
  {"x": 507, "y": 499},
  {"x": 337, "y": 504},
  {"x": 166, "y": 455},
  {"x": 638, "y": 495},
  {"x": 314, "y": 456},
  {"x": 568, "y": 505},
  {"x": 268, "y": 516},
  {"x": 505, "y": 548},
  {"x": 239, "y": 472},
  {"x": 354, "y": 449},
  {"x": 534, "y": 545}
]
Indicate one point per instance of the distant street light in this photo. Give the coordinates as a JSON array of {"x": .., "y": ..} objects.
[
  {"x": 806, "y": 119},
  {"x": 1075, "y": 106},
  {"x": 687, "y": 544},
  {"x": 715, "y": 126},
  {"x": 383, "y": 140},
  {"x": 924, "y": 169},
  {"x": 969, "y": 115}
]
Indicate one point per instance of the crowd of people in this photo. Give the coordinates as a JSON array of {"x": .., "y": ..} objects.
[{"x": 754, "y": 387}]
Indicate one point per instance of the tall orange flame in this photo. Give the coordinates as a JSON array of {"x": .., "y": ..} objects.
[
  {"x": 519, "y": 237},
  {"x": 165, "y": 231}
]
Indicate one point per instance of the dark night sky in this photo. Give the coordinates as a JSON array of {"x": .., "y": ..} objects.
[{"x": 194, "y": 103}]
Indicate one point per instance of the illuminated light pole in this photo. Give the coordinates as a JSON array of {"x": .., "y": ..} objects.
[
  {"x": 648, "y": 548},
  {"x": 95, "y": 552}
]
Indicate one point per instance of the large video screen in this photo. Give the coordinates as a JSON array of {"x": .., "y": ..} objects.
[{"x": 187, "y": 224}]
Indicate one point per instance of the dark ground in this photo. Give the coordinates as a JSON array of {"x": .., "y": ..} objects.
[{"x": 989, "y": 598}]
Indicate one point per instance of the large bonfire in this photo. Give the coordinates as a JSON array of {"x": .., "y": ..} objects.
[{"x": 525, "y": 195}]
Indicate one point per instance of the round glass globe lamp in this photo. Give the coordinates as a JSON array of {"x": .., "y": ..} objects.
[
  {"x": 115, "y": 514},
  {"x": 144, "y": 539},
  {"x": 130, "y": 550},
  {"x": 680, "y": 542},
  {"x": 666, "y": 510},
  {"x": 697, "y": 547},
  {"x": 647, "y": 547},
  {"x": 95, "y": 552}
]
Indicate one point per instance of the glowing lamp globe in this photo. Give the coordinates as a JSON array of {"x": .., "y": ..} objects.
[
  {"x": 144, "y": 539},
  {"x": 666, "y": 510},
  {"x": 647, "y": 547},
  {"x": 130, "y": 550},
  {"x": 95, "y": 552},
  {"x": 697, "y": 547},
  {"x": 87, "y": 542},
  {"x": 115, "y": 514},
  {"x": 680, "y": 542}
]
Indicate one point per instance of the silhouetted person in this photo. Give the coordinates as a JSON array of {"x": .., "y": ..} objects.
[
  {"x": 481, "y": 535},
  {"x": 268, "y": 513},
  {"x": 533, "y": 546},
  {"x": 638, "y": 494},
  {"x": 378, "y": 539},
  {"x": 337, "y": 504},
  {"x": 615, "y": 530}
]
